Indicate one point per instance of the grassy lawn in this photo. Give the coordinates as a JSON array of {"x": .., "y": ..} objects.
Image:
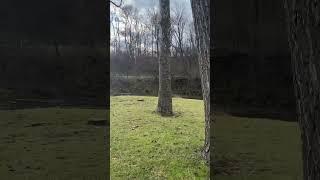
[
  {"x": 51, "y": 143},
  {"x": 260, "y": 149},
  {"x": 147, "y": 146}
]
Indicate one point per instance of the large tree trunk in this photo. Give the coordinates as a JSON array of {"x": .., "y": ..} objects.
[
  {"x": 165, "y": 96},
  {"x": 304, "y": 39},
  {"x": 200, "y": 11}
]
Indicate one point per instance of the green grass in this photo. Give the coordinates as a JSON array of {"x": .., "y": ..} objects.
[
  {"x": 64, "y": 148},
  {"x": 257, "y": 149},
  {"x": 145, "y": 145}
]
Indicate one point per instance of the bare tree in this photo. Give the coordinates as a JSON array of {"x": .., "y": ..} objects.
[
  {"x": 129, "y": 13},
  {"x": 190, "y": 56},
  {"x": 304, "y": 40},
  {"x": 145, "y": 34},
  {"x": 137, "y": 33},
  {"x": 179, "y": 23},
  {"x": 114, "y": 38},
  {"x": 192, "y": 43},
  {"x": 117, "y": 5},
  {"x": 200, "y": 11},
  {"x": 118, "y": 34},
  {"x": 165, "y": 96},
  {"x": 126, "y": 13},
  {"x": 155, "y": 29}
]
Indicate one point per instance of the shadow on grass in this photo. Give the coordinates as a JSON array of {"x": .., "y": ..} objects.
[
  {"x": 283, "y": 114},
  {"x": 18, "y": 104},
  {"x": 175, "y": 114},
  {"x": 226, "y": 166}
]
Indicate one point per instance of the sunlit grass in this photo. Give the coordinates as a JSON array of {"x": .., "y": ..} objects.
[{"x": 145, "y": 145}]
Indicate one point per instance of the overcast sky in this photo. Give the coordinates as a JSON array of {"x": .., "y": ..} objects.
[{"x": 145, "y": 4}]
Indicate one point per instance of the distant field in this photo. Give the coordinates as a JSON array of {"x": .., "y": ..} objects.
[
  {"x": 147, "y": 146},
  {"x": 52, "y": 143}
]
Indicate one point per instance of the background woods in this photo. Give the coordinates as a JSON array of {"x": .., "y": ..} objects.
[
  {"x": 252, "y": 62},
  {"x": 135, "y": 48}
]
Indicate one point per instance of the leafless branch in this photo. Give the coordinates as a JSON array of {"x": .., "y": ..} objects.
[{"x": 116, "y": 4}]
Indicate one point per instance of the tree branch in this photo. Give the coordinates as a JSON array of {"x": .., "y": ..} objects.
[{"x": 116, "y": 4}]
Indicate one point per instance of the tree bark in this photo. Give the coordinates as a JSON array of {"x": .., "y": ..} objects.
[
  {"x": 165, "y": 96},
  {"x": 118, "y": 33},
  {"x": 151, "y": 42},
  {"x": 304, "y": 39},
  {"x": 157, "y": 40},
  {"x": 200, "y": 11}
]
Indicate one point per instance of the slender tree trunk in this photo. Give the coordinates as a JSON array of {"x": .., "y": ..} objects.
[
  {"x": 145, "y": 45},
  {"x": 125, "y": 37},
  {"x": 157, "y": 41},
  {"x": 165, "y": 96},
  {"x": 118, "y": 32},
  {"x": 200, "y": 11},
  {"x": 304, "y": 40},
  {"x": 140, "y": 40},
  {"x": 151, "y": 42}
]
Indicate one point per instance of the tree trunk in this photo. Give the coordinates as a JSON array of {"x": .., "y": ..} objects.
[
  {"x": 125, "y": 37},
  {"x": 119, "y": 44},
  {"x": 151, "y": 42},
  {"x": 157, "y": 41},
  {"x": 145, "y": 45},
  {"x": 304, "y": 40},
  {"x": 200, "y": 11},
  {"x": 165, "y": 96}
]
